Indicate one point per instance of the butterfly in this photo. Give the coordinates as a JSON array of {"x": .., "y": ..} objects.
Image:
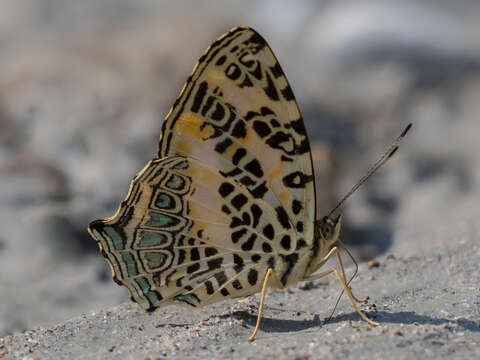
[{"x": 228, "y": 207}]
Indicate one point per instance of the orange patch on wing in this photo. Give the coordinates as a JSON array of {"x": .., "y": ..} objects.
[
  {"x": 276, "y": 172},
  {"x": 215, "y": 77},
  {"x": 189, "y": 125},
  {"x": 283, "y": 197}
]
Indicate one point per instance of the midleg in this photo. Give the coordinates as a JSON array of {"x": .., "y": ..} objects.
[
  {"x": 343, "y": 282},
  {"x": 342, "y": 269}
]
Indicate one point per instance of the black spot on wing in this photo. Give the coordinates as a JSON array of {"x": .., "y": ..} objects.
[
  {"x": 193, "y": 268},
  {"x": 270, "y": 89},
  {"x": 237, "y": 285},
  {"x": 291, "y": 260},
  {"x": 276, "y": 70},
  {"x": 298, "y": 126},
  {"x": 300, "y": 226},
  {"x": 209, "y": 287},
  {"x": 247, "y": 181},
  {"x": 303, "y": 148},
  {"x": 282, "y": 217},
  {"x": 219, "y": 112},
  {"x": 269, "y": 232},
  {"x": 261, "y": 128},
  {"x": 225, "y": 189},
  {"x": 210, "y": 251},
  {"x": 266, "y": 247},
  {"x": 198, "y": 96},
  {"x": 181, "y": 256},
  {"x": 254, "y": 168},
  {"x": 239, "y": 130},
  {"x": 277, "y": 139},
  {"x": 208, "y": 104},
  {"x": 223, "y": 145},
  {"x": 239, "y": 154},
  {"x": 296, "y": 206},
  {"x": 221, "y": 278},
  {"x": 238, "y": 234},
  {"x": 246, "y": 219},
  {"x": 215, "y": 263},
  {"x": 288, "y": 93},
  {"x": 259, "y": 191},
  {"x": 236, "y": 221},
  {"x": 224, "y": 292},
  {"x": 274, "y": 123},
  {"x": 232, "y": 173},
  {"x": 301, "y": 244},
  {"x": 226, "y": 210},
  {"x": 252, "y": 277},
  {"x": 266, "y": 111},
  {"x": 256, "y": 213},
  {"x": 239, "y": 264},
  {"x": 194, "y": 254},
  {"x": 297, "y": 179},
  {"x": 248, "y": 245},
  {"x": 221, "y": 60},
  {"x": 286, "y": 242},
  {"x": 239, "y": 200},
  {"x": 257, "y": 71}
]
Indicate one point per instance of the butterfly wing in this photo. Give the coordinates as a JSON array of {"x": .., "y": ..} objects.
[
  {"x": 187, "y": 234},
  {"x": 238, "y": 114},
  {"x": 232, "y": 192}
]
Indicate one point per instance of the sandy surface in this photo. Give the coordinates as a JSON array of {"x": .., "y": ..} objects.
[{"x": 427, "y": 304}]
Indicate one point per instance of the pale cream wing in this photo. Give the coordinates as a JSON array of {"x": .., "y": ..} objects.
[{"x": 237, "y": 113}]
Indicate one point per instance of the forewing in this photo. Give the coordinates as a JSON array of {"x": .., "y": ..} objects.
[
  {"x": 237, "y": 113},
  {"x": 187, "y": 234}
]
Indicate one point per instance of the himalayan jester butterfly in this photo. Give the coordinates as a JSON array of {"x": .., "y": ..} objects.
[{"x": 228, "y": 207}]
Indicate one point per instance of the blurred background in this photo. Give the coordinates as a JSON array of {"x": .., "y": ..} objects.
[{"x": 84, "y": 87}]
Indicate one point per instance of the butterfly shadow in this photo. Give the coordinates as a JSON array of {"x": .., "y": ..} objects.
[
  {"x": 276, "y": 325},
  {"x": 272, "y": 325},
  {"x": 409, "y": 318}
]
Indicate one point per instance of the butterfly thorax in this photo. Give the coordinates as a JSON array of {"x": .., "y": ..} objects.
[{"x": 326, "y": 233}]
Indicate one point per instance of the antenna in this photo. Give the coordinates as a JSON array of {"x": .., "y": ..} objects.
[{"x": 385, "y": 157}]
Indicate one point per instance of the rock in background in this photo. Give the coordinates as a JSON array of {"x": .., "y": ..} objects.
[{"x": 84, "y": 87}]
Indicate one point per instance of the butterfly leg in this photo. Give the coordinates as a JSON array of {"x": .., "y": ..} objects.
[
  {"x": 340, "y": 262},
  {"x": 262, "y": 302},
  {"x": 342, "y": 281}
]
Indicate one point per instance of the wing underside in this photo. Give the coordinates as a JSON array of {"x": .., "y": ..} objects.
[
  {"x": 232, "y": 192},
  {"x": 187, "y": 234}
]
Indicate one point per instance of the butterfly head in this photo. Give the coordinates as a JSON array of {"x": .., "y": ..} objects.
[{"x": 327, "y": 230}]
